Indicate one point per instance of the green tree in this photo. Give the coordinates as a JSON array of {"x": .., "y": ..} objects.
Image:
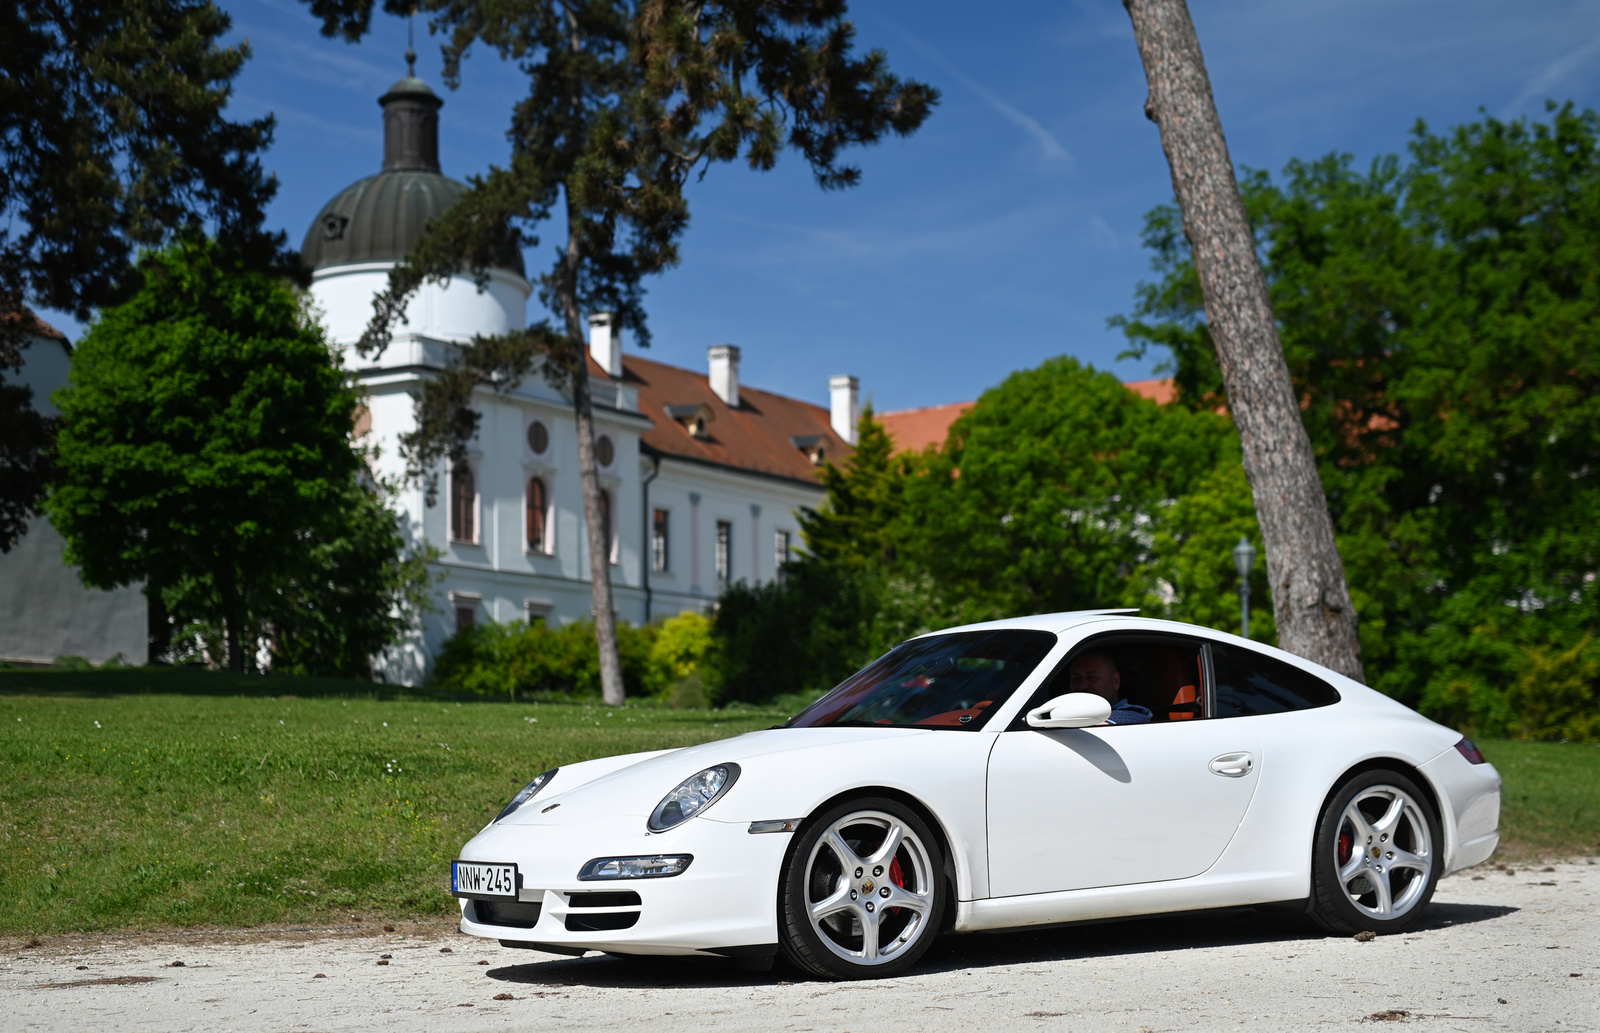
[
  {"x": 1440, "y": 316},
  {"x": 207, "y": 451},
  {"x": 626, "y": 100},
  {"x": 865, "y": 498},
  {"x": 1048, "y": 492},
  {"x": 112, "y": 137}
]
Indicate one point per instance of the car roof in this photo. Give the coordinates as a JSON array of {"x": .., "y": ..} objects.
[{"x": 1056, "y": 622}]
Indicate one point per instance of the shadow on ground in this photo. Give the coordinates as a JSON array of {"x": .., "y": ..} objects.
[{"x": 1160, "y": 934}]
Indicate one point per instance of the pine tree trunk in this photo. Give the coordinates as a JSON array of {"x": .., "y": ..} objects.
[
  {"x": 1311, "y": 600},
  {"x": 605, "y": 614}
]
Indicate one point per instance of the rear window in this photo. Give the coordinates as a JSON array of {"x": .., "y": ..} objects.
[
  {"x": 1249, "y": 683},
  {"x": 950, "y": 681}
]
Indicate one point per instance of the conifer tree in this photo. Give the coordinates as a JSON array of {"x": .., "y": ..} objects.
[
  {"x": 626, "y": 100},
  {"x": 855, "y": 527},
  {"x": 112, "y": 138}
]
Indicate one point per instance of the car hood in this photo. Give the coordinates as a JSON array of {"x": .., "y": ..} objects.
[{"x": 634, "y": 790}]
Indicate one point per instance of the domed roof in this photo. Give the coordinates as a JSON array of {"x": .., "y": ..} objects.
[{"x": 377, "y": 219}]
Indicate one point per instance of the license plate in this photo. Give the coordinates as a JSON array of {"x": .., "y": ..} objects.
[{"x": 481, "y": 879}]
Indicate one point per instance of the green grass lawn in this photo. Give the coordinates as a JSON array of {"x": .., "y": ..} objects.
[
  {"x": 172, "y": 808},
  {"x": 140, "y": 799},
  {"x": 1551, "y": 806}
]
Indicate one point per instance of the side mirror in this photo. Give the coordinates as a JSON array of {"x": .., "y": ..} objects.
[{"x": 1074, "y": 710}]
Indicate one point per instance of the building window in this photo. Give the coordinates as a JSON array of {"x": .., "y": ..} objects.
[
  {"x": 466, "y": 614},
  {"x": 536, "y": 612},
  {"x": 605, "y": 453},
  {"x": 780, "y": 553},
  {"x": 538, "y": 531},
  {"x": 724, "y": 551},
  {"x": 538, "y": 438},
  {"x": 658, "y": 541},
  {"x": 463, "y": 504},
  {"x": 605, "y": 527}
]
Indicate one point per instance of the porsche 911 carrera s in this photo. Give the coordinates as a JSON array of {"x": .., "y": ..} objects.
[{"x": 958, "y": 784}]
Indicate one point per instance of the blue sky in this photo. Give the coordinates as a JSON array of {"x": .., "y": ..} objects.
[{"x": 1004, "y": 232}]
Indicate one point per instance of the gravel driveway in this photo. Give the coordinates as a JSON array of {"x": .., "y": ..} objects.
[{"x": 1518, "y": 951}]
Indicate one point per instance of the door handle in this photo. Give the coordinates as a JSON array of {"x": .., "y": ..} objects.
[{"x": 1233, "y": 765}]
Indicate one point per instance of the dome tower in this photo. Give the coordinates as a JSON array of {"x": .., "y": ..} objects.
[{"x": 370, "y": 225}]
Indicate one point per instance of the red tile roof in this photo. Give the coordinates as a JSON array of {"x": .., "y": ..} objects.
[
  {"x": 32, "y": 324},
  {"x": 1158, "y": 391},
  {"x": 915, "y": 429},
  {"x": 756, "y": 437}
]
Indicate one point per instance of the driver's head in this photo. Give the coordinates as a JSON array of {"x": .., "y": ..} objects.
[{"x": 1095, "y": 672}]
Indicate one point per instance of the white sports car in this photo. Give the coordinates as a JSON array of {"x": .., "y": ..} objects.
[{"x": 955, "y": 784}]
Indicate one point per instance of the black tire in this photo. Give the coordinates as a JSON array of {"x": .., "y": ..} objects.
[
  {"x": 1370, "y": 874},
  {"x": 910, "y": 873}
]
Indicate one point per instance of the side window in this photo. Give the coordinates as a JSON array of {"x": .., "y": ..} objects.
[
  {"x": 1249, "y": 683},
  {"x": 1159, "y": 673}
]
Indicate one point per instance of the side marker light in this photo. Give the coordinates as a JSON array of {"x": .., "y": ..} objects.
[{"x": 774, "y": 825}]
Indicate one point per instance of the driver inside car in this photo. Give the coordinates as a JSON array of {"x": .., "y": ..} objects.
[{"x": 1096, "y": 672}]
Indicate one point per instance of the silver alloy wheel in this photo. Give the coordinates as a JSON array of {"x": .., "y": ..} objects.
[
  {"x": 854, "y": 904},
  {"x": 1383, "y": 852}
]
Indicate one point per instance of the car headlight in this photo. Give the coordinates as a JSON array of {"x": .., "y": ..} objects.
[
  {"x": 527, "y": 793},
  {"x": 693, "y": 795},
  {"x": 659, "y": 866}
]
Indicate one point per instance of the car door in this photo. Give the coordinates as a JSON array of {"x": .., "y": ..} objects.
[{"x": 1112, "y": 805}]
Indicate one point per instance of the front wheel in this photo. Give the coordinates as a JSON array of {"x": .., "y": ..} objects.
[
  {"x": 1376, "y": 856},
  {"x": 862, "y": 891}
]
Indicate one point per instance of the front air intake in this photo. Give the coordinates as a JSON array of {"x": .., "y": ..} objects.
[
  {"x": 513, "y": 913},
  {"x": 602, "y": 921}
]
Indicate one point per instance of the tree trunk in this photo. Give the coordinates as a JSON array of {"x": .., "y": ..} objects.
[
  {"x": 1316, "y": 618},
  {"x": 605, "y": 614}
]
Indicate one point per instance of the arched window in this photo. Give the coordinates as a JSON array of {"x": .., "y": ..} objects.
[
  {"x": 604, "y": 451},
  {"x": 463, "y": 504},
  {"x": 536, "y": 516}
]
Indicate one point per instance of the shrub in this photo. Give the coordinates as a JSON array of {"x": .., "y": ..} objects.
[{"x": 563, "y": 663}]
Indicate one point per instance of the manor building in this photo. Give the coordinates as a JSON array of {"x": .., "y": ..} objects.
[{"x": 703, "y": 477}]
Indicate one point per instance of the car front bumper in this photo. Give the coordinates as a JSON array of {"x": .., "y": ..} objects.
[{"x": 724, "y": 903}]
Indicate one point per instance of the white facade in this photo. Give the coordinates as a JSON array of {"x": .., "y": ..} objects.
[
  {"x": 494, "y": 573},
  {"x": 45, "y": 610}
]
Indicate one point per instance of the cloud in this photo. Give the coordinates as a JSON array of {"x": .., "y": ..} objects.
[
  {"x": 1047, "y": 142},
  {"x": 1551, "y": 75}
]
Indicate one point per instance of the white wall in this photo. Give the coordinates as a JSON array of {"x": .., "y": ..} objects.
[
  {"x": 454, "y": 311},
  {"x": 690, "y": 582},
  {"x": 45, "y": 611}
]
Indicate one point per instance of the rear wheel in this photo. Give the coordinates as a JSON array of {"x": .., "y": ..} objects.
[
  {"x": 1375, "y": 861},
  {"x": 862, "y": 891}
]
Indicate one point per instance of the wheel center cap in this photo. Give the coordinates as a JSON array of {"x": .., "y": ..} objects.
[
  {"x": 867, "y": 887},
  {"x": 1375, "y": 852}
]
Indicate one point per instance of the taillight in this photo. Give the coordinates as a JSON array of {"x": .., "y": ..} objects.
[{"x": 1471, "y": 752}]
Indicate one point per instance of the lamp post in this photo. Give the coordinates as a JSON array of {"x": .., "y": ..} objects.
[{"x": 1244, "y": 557}]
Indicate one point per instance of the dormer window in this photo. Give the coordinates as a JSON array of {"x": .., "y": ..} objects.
[
  {"x": 815, "y": 447},
  {"x": 694, "y": 417}
]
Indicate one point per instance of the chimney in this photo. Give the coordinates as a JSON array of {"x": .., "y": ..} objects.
[
  {"x": 725, "y": 372},
  {"x": 605, "y": 342},
  {"x": 845, "y": 395}
]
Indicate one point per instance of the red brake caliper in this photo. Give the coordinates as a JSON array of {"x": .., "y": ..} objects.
[
  {"x": 897, "y": 877},
  {"x": 1344, "y": 849}
]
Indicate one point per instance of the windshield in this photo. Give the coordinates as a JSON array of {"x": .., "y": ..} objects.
[{"x": 942, "y": 681}]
